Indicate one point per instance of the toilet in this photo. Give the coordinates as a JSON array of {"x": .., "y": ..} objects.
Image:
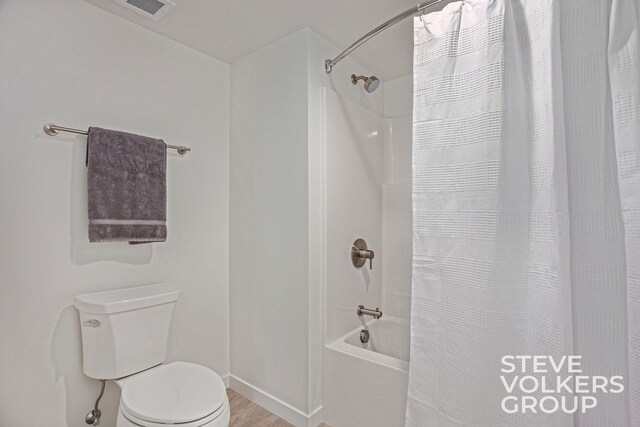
[{"x": 124, "y": 339}]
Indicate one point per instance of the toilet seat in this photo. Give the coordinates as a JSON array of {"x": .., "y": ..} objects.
[
  {"x": 221, "y": 414},
  {"x": 178, "y": 393}
]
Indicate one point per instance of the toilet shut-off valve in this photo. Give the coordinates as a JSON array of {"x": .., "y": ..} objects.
[
  {"x": 360, "y": 254},
  {"x": 93, "y": 417}
]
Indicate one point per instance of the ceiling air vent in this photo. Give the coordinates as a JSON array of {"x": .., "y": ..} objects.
[{"x": 154, "y": 9}]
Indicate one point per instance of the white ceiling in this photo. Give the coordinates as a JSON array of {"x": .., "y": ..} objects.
[{"x": 230, "y": 30}]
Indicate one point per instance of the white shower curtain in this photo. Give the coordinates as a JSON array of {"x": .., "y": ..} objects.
[{"x": 526, "y": 199}]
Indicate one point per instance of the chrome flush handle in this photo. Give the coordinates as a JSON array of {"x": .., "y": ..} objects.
[{"x": 91, "y": 323}]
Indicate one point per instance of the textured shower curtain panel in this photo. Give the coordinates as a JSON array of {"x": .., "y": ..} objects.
[{"x": 526, "y": 215}]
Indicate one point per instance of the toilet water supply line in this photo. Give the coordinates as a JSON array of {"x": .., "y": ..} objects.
[{"x": 93, "y": 417}]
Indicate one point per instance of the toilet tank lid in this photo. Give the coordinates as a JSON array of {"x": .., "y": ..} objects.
[{"x": 118, "y": 300}]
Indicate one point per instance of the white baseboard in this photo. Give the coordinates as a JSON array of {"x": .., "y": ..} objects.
[
  {"x": 315, "y": 418},
  {"x": 275, "y": 405},
  {"x": 225, "y": 380}
]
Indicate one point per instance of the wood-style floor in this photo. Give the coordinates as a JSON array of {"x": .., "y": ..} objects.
[{"x": 245, "y": 413}]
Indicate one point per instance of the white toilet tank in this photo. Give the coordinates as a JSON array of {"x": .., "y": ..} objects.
[{"x": 125, "y": 331}]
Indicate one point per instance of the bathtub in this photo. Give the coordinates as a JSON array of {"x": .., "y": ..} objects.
[
  {"x": 388, "y": 343},
  {"x": 366, "y": 384}
]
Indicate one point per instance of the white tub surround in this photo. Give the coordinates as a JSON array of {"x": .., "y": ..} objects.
[{"x": 365, "y": 384}]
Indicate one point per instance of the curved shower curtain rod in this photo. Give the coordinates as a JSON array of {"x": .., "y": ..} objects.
[{"x": 329, "y": 63}]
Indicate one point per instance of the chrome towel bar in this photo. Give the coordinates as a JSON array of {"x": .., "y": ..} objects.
[{"x": 52, "y": 130}]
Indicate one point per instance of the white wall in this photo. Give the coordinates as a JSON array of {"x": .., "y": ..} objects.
[
  {"x": 269, "y": 226},
  {"x": 367, "y": 170},
  {"x": 70, "y": 63},
  {"x": 277, "y": 237}
]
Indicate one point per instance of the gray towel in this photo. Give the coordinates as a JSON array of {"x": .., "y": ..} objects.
[{"x": 127, "y": 187}]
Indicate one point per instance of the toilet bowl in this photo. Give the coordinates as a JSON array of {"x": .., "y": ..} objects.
[
  {"x": 124, "y": 339},
  {"x": 178, "y": 393}
]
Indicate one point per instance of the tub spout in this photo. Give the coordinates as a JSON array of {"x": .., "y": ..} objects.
[{"x": 376, "y": 314}]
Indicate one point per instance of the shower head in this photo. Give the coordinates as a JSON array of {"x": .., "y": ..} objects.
[{"x": 370, "y": 83}]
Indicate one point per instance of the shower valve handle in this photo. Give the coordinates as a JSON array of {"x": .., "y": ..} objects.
[
  {"x": 360, "y": 254},
  {"x": 366, "y": 254}
]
